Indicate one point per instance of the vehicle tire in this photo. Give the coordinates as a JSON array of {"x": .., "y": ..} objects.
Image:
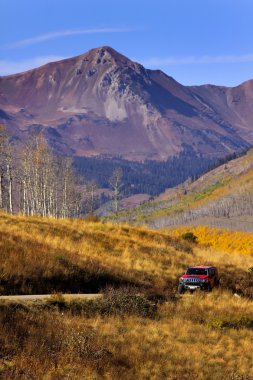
[
  {"x": 208, "y": 288},
  {"x": 181, "y": 289}
]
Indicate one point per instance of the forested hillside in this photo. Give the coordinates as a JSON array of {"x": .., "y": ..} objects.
[
  {"x": 149, "y": 177},
  {"x": 221, "y": 197}
]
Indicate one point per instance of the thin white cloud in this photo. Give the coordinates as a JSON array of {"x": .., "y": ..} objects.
[
  {"x": 12, "y": 67},
  {"x": 64, "y": 33},
  {"x": 193, "y": 60}
]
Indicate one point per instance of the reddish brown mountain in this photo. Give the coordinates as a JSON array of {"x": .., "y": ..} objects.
[{"x": 103, "y": 103}]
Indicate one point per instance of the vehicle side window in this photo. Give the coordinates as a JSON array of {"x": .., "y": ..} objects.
[{"x": 211, "y": 272}]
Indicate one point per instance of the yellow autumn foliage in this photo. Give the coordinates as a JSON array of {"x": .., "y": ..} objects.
[{"x": 220, "y": 239}]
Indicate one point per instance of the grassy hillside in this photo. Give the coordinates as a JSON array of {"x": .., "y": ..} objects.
[
  {"x": 45, "y": 255},
  {"x": 220, "y": 197},
  {"x": 126, "y": 334}
]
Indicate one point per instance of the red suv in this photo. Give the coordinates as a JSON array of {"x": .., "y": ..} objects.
[{"x": 202, "y": 277}]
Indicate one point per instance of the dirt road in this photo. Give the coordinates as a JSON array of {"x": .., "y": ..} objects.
[{"x": 36, "y": 297}]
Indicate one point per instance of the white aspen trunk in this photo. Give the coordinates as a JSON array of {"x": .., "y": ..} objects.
[
  {"x": 65, "y": 198},
  {"x": 24, "y": 201},
  {"x": 31, "y": 201},
  {"x": 9, "y": 177},
  {"x": 116, "y": 195},
  {"x": 115, "y": 182},
  {"x": 44, "y": 203}
]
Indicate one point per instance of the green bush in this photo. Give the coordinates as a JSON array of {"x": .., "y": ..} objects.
[
  {"x": 232, "y": 323},
  {"x": 189, "y": 236}
]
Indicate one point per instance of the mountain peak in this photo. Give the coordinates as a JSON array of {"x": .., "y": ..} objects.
[
  {"x": 104, "y": 54},
  {"x": 101, "y": 102},
  {"x": 104, "y": 49}
]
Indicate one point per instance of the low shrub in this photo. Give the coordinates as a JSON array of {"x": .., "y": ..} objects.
[
  {"x": 189, "y": 236},
  {"x": 182, "y": 246},
  {"x": 126, "y": 301},
  {"x": 58, "y": 300},
  {"x": 232, "y": 323},
  {"x": 92, "y": 219}
]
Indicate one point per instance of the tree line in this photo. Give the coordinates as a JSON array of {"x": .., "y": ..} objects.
[
  {"x": 34, "y": 181},
  {"x": 147, "y": 177}
]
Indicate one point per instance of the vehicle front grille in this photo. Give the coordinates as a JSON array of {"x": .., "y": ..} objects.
[{"x": 192, "y": 281}]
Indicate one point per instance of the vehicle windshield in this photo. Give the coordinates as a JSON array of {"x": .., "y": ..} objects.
[{"x": 197, "y": 271}]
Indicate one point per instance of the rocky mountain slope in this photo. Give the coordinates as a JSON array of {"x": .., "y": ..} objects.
[{"x": 102, "y": 103}]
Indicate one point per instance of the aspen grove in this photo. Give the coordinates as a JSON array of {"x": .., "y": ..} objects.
[{"x": 34, "y": 181}]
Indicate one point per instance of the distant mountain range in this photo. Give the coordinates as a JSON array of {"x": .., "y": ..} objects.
[{"x": 102, "y": 103}]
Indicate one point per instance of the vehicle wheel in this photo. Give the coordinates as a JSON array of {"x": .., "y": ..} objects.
[
  {"x": 181, "y": 289},
  {"x": 208, "y": 288}
]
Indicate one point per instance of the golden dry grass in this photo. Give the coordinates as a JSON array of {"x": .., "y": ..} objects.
[
  {"x": 201, "y": 336},
  {"x": 75, "y": 251}
]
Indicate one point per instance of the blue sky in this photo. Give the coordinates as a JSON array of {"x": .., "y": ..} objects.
[{"x": 195, "y": 41}]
